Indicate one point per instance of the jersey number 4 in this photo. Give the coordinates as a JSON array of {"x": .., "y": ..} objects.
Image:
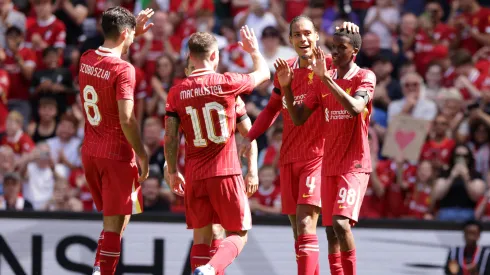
[
  {"x": 199, "y": 140},
  {"x": 90, "y": 99}
]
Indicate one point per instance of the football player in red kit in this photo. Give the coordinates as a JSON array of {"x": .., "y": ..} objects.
[
  {"x": 302, "y": 147},
  {"x": 112, "y": 135},
  {"x": 204, "y": 104},
  {"x": 344, "y": 96}
]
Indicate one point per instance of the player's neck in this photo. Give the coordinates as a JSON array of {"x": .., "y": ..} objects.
[
  {"x": 303, "y": 63},
  {"x": 115, "y": 49},
  {"x": 203, "y": 66},
  {"x": 342, "y": 71}
]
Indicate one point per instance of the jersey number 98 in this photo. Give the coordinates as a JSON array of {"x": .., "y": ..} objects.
[
  {"x": 199, "y": 140},
  {"x": 90, "y": 99}
]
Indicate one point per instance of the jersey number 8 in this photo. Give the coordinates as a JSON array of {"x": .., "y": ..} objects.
[
  {"x": 199, "y": 140},
  {"x": 90, "y": 99}
]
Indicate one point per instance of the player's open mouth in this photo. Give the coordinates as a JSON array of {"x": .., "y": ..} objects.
[{"x": 304, "y": 47}]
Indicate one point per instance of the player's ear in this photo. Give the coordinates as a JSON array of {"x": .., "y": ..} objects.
[
  {"x": 317, "y": 36},
  {"x": 355, "y": 51}
]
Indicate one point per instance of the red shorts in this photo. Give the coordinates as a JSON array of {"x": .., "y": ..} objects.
[
  {"x": 342, "y": 196},
  {"x": 218, "y": 200},
  {"x": 114, "y": 185},
  {"x": 300, "y": 184}
]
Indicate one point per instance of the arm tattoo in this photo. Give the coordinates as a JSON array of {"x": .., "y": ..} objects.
[{"x": 171, "y": 143}]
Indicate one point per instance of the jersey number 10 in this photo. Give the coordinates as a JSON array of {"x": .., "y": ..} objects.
[{"x": 199, "y": 140}]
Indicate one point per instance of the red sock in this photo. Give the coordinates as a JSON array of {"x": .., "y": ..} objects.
[
  {"x": 199, "y": 255},
  {"x": 349, "y": 262},
  {"x": 226, "y": 253},
  {"x": 296, "y": 250},
  {"x": 214, "y": 247},
  {"x": 308, "y": 251},
  {"x": 335, "y": 263},
  {"x": 99, "y": 245},
  {"x": 109, "y": 253}
]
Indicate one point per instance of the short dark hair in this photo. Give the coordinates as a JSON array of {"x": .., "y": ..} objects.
[
  {"x": 70, "y": 118},
  {"x": 473, "y": 222},
  {"x": 48, "y": 101},
  {"x": 49, "y": 50},
  {"x": 355, "y": 38},
  {"x": 155, "y": 174},
  {"x": 299, "y": 18},
  {"x": 13, "y": 30},
  {"x": 461, "y": 57},
  {"x": 201, "y": 44},
  {"x": 115, "y": 20}
]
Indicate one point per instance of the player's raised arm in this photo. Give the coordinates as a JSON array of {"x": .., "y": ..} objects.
[
  {"x": 250, "y": 44},
  {"x": 299, "y": 112},
  {"x": 353, "y": 105}
]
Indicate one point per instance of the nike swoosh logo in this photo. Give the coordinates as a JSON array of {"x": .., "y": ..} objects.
[
  {"x": 342, "y": 207},
  {"x": 306, "y": 196},
  {"x": 324, "y": 95}
]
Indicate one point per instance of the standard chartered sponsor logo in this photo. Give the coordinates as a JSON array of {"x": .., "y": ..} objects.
[{"x": 336, "y": 115}]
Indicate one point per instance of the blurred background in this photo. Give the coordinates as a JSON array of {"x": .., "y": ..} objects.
[{"x": 431, "y": 60}]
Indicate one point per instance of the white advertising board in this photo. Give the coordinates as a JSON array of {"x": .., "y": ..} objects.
[{"x": 42, "y": 247}]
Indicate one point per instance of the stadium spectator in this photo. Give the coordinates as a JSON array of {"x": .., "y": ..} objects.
[
  {"x": 382, "y": 20},
  {"x": 258, "y": 17},
  {"x": 479, "y": 144},
  {"x": 464, "y": 259},
  {"x": 404, "y": 47},
  {"x": 45, "y": 127},
  {"x": 439, "y": 145},
  {"x": 4, "y": 89},
  {"x": 64, "y": 147},
  {"x": 433, "y": 81},
  {"x": 156, "y": 198},
  {"x": 468, "y": 79},
  {"x": 39, "y": 173},
  {"x": 10, "y": 17},
  {"x": 419, "y": 199},
  {"x": 79, "y": 189},
  {"x": 20, "y": 63},
  {"x": 371, "y": 51},
  {"x": 12, "y": 199},
  {"x": 458, "y": 188},
  {"x": 270, "y": 155},
  {"x": 72, "y": 13},
  {"x": 451, "y": 107},
  {"x": 267, "y": 199},
  {"x": 62, "y": 199},
  {"x": 152, "y": 139},
  {"x": 45, "y": 30},
  {"x": 472, "y": 26},
  {"x": 52, "y": 81},
  {"x": 7, "y": 163},
  {"x": 161, "y": 82},
  {"x": 272, "y": 48},
  {"x": 15, "y": 137},
  {"x": 413, "y": 104},
  {"x": 482, "y": 210},
  {"x": 332, "y": 15},
  {"x": 387, "y": 88}
]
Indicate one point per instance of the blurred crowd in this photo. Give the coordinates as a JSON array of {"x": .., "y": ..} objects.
[{"x": 431, "y": 60}]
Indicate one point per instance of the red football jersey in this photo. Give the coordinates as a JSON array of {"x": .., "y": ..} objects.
[
  {"x": 19, "y": 86},
  {"x": 486, "y": 213},
  {"x": 418, "y": 204},
  {"x": 304, "y": 142},
  {"x": 52, "y": 31},
  {"x": 441, "y": 151},
  {"x": 346, "y": 146},
  {"x": 269, "y": 197},
  {"x": 396, "y": 198},
  {"x": 21, "y": 143},
  {"x": 205, "y": 103},
  {"x": 478, "y": 21},
  {"x": 478, "y": 79},
  {"x": 104, "y": 79},
  {"x": 426, "y": 50},
  {"x": 4, "y": 90}
]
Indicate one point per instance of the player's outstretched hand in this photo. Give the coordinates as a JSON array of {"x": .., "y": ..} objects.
[
  {"x": 177, "y": 183},
  {"x": 317, "y": 62},
  {"x": 351, "y": 27},
  {"x": 144, "y": 166},
  {"x": 141, "y": 21},
  {"x": 284, "y": 72},
  {"x": 251, "y": 183},
  {"x": 248, "y": 41}
]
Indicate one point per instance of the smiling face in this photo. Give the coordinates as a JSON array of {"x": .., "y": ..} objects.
[{"x": 303, "y": 37}]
